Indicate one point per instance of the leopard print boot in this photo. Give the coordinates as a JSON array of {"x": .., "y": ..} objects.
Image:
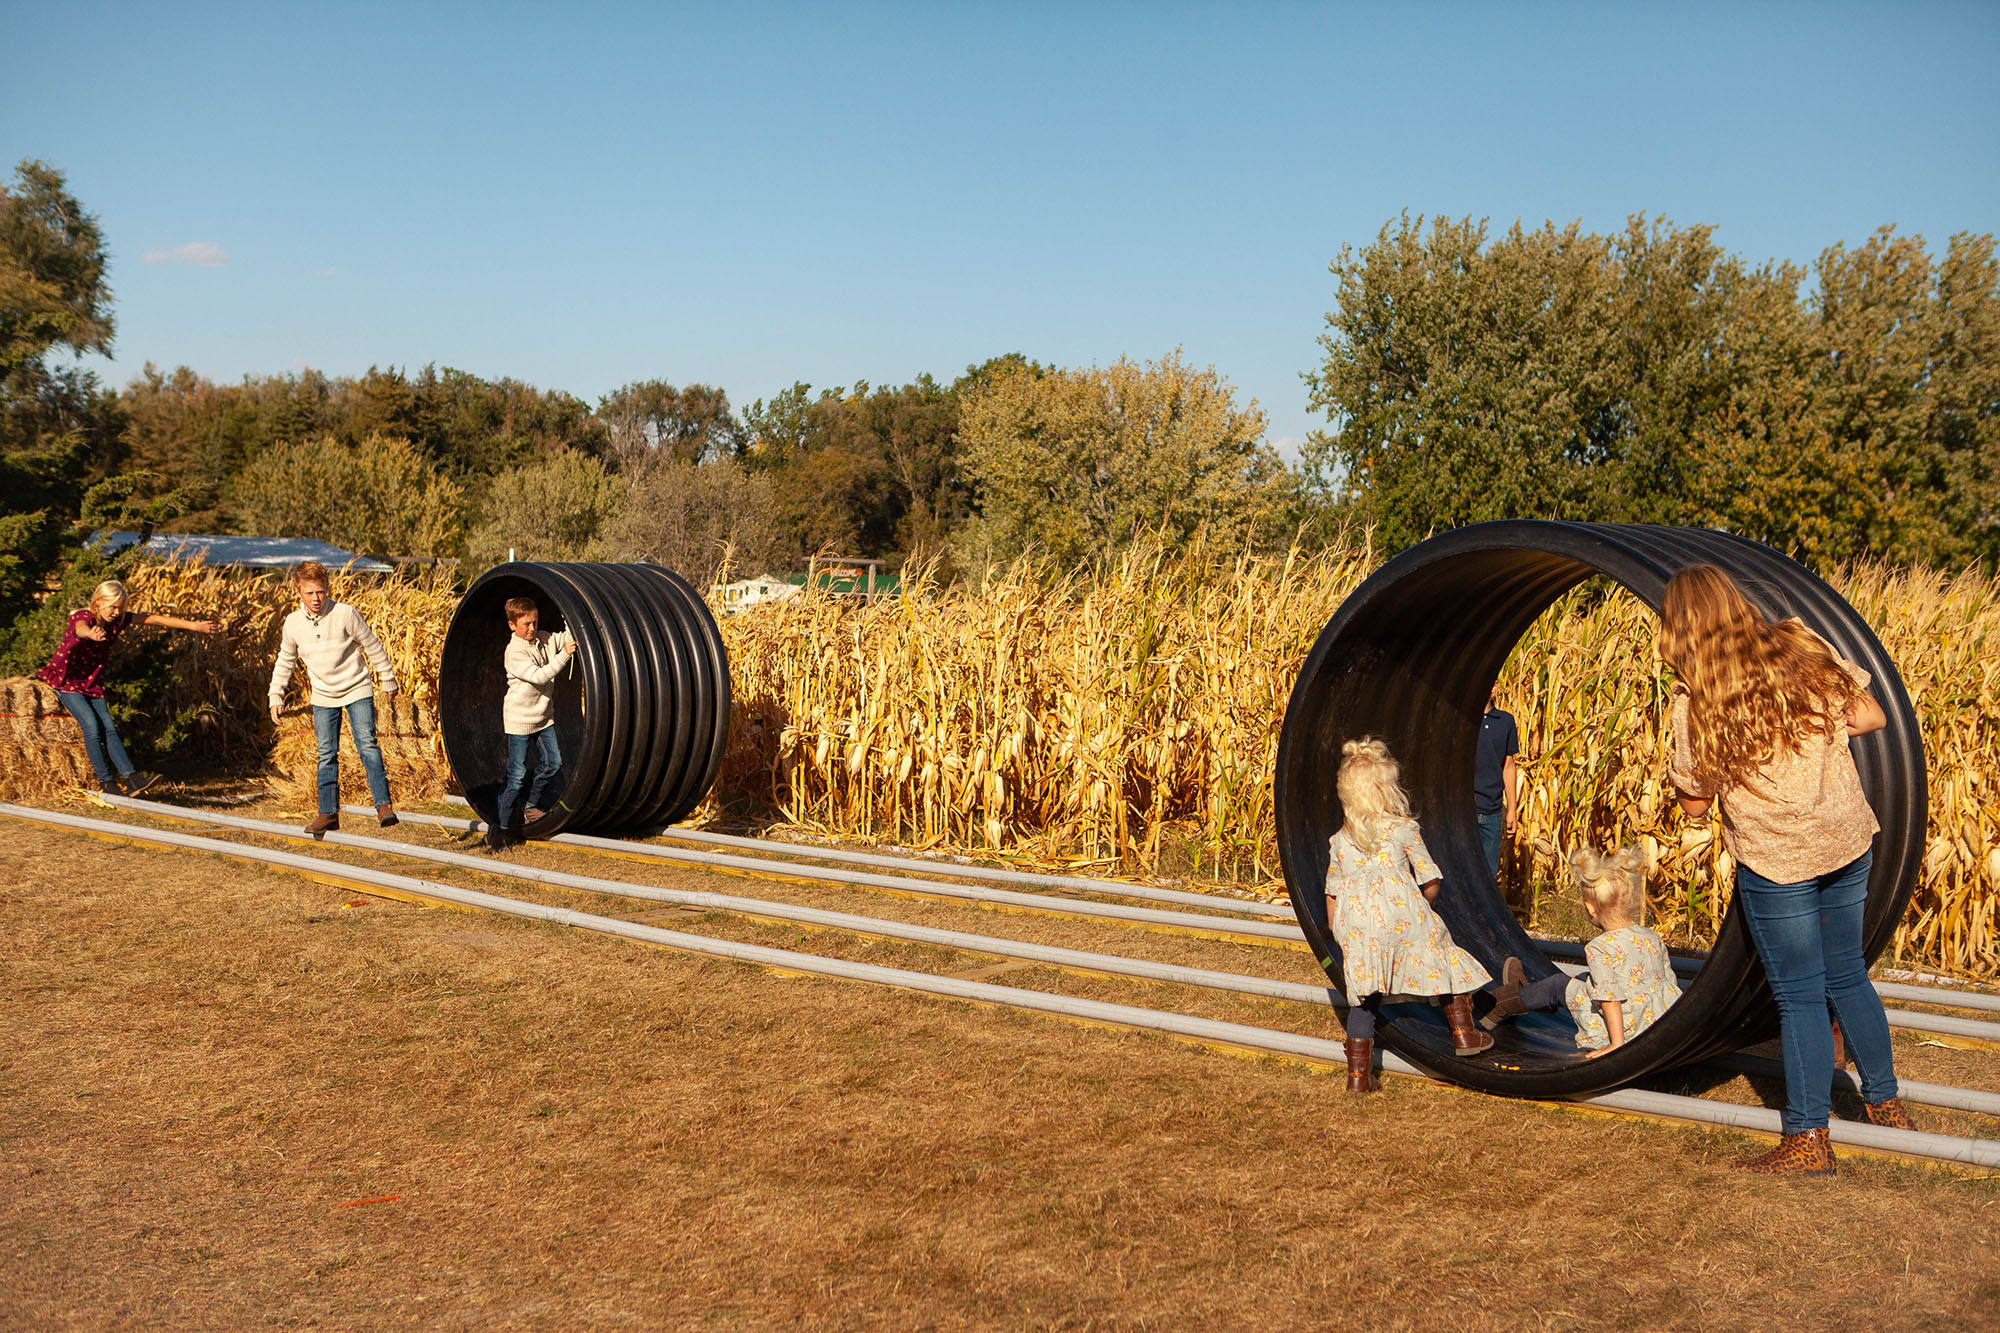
[
  {"x": 1889, "y": 1114},
  {"x": 1807, "y": 1153}
]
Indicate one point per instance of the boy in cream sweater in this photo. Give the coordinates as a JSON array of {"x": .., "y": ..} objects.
[
  {"x": 337, "y": 648},
  {"x": 533, "y": 660}
]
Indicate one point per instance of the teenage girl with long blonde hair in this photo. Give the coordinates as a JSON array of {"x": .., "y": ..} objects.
[
  {"x": 1380, "y": 883},
  {"x": 1762, "y": 716}
]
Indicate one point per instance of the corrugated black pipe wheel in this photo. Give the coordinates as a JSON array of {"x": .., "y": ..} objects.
[
  {"x": 1409, "y": 657},
  {"x": 642, "y": 716}
]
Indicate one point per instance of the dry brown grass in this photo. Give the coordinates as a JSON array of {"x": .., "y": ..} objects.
[{"x": 208, "y": 1061}]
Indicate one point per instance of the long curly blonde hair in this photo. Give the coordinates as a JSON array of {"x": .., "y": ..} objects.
[
  {"x": 1370, "y": 791},
  {"x": 1612, "y": 880},
  {"x": 1752, "y": 684}
]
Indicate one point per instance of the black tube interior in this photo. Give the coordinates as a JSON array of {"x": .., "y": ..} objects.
[{"x": 1410, "y": 656}]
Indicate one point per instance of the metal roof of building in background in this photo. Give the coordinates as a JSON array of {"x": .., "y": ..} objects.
[{"x": 243, "y": 552}]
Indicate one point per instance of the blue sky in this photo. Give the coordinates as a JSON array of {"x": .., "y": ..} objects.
[{"x": 584, "y": 195}]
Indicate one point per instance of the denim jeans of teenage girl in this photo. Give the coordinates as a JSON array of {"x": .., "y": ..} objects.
[
  {"x": 548, "y": 767},
  {"x": 361, "y": 721},
  {"x": 1808, "y": 936},
  {"x": 100, "y": 738}
]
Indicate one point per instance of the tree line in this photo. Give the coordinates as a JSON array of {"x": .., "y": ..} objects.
[{"x": 1846, "y": 409}]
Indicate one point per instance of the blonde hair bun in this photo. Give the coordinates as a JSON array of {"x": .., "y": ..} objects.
[
  {"x": 1614, "y": 880},
  {"x": 1370, "y": 792}
]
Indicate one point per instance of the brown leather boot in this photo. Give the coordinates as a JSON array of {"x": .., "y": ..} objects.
[
  {"x": 1361, "y": 1065},
  {"x": 385, "y": 815},
  {"x": 1807, "y": 1153},
  {"x": 320, "y": 825},
  {"x": 1466, "y": 1038},
  {"x": 1889, "y": 1114},
  {"x": 1507, "y": 995}
]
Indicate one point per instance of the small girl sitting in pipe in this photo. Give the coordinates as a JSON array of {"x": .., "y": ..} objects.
[
  {"x": 1380, "y": 882},
  {"x": 1630, "y": 982}
]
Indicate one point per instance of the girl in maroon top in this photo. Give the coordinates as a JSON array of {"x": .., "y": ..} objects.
[{"x": 76, "y": 673}]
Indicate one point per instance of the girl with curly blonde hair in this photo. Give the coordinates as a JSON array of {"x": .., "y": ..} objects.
[
  {"x": 1762, "y": 715},
  {"x": 1630, "y": 978},
  {"x": 1380, "y": 883}
]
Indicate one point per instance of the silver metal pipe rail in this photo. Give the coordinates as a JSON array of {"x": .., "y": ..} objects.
[
  {"x": 1564, "y": 949},
  {"x": 1109, "y": 887},
  {"x": 1075, "y": 959},
  {"x": 1912, "y": 1143},
  {"x": 1286, "y": 932},
  {"x": 1902, "y": 1018}
]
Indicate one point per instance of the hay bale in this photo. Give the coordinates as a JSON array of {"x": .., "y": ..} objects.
[
  {"x": 412, "y": 754},
  {"x": 41, "y": 749}
]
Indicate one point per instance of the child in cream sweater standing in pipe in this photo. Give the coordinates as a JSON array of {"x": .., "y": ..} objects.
[
  {"x": 528, "y": 714},
  {"x": 337, "y": 648}
]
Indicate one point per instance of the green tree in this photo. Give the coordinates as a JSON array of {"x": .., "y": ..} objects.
[
  {"x": 60, "y": 433},
  {"x": 651, "y": 422},
  {"x": 1077, "y": 463},
  {"x": 380, "y": 497},
  {"x": 696, "y": 517},
  {"x": 1650, "y": 377},
  {"x": 553, "y": 508}
]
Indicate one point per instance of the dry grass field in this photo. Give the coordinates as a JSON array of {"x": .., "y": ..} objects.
[{"x": 234, "y": 1098}]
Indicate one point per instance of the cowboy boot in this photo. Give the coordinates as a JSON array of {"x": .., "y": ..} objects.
[
  {"x": 1361, "y": 1065},
  {"x": 320, "y": 825},
  {"x": 1507, "y": 995},
  {"x": 1888, "y": 1114},
  {"x": 1466, "y": 1038},
  {"x": 385, "y": 815},
  {"x": 1807, "y": 1153}
]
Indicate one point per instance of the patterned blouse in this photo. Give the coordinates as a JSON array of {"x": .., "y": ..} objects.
[
  {"x": 1391, "y": 942},
  {"x": 78, "y": 666},
  {"x": 1629, "y": 965}
]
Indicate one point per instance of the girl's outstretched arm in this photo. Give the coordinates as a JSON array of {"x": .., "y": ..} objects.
[
  {"x": 1614, "y": 1026},
  {"x": 1865, "y": 715},
  {"x": 175, "y": 622}
]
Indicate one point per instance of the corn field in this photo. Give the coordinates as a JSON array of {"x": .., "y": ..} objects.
[{"x": 1130, "y": 720}]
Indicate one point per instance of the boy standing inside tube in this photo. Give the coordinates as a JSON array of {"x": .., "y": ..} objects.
[{"x": 533, "y": 660}]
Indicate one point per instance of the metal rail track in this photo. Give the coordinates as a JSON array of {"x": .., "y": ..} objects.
[{"x": 1318, "y": 1051}]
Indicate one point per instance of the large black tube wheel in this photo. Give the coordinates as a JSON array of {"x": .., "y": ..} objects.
[
  {"x": 642, "y": 717},
  {"x": 1409, "y": 657}
]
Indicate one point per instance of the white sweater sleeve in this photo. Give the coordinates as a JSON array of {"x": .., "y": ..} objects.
[
  {"x": 288, "y": 661},
  {"x": 521, "y": 663},
  {"x": 378, "y": 656}
]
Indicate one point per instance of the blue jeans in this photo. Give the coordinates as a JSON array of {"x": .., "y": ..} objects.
[
  {"x": 1809, "y": 938},
  {"x": 548, "y": 767},
  {"x": 1491, "y": 827},
  {"x": 100, "y": 736},
  {"x": 326, "y": 726}
]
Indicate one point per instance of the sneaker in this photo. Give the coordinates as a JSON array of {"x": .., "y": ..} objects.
[
  {"x": 320, "y": 825},
  {"x": 135, "y": 783},
  {"x": 534, "y": 814}
]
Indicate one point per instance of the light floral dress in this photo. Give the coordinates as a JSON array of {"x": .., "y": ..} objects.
[
  {"x": 1629, "y": 965},
  {"x": 1391, "y": 942}
]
